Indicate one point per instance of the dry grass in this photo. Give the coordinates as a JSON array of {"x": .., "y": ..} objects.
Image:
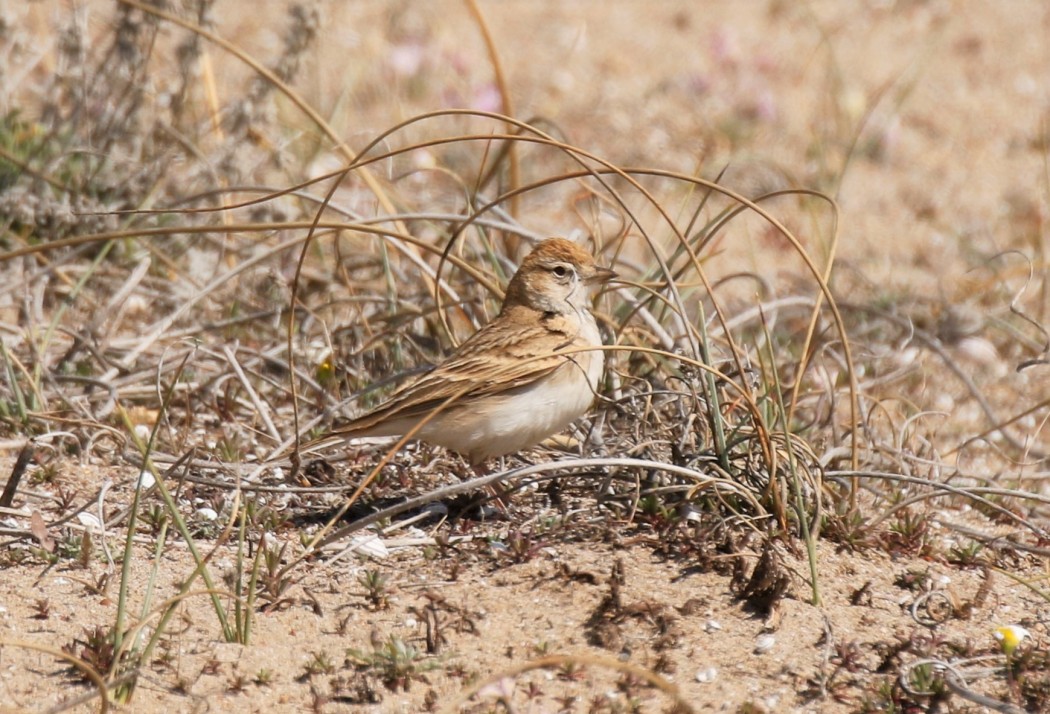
[{"x": 197, "y": 267}]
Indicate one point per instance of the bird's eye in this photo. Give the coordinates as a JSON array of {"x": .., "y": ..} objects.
[{"x": 560, "y": 271}]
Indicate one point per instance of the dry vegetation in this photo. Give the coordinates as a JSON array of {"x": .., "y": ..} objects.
[{"x": 814, "y": 480}]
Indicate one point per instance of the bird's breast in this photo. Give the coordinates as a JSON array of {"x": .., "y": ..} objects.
[{"x": 503, "y": 423}]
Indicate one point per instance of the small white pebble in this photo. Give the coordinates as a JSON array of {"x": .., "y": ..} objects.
[
  {"x": 207, "y": 514},
  {"x": 90, "y": 520},
  {"x": 943, "y": 403},
  {"x": 370, "y": 545},
  {"x": 424, "y": 159},
  {"x": 502, "y": 688},
  {"x": 909, "y": 355},
  {"x": 142, "y": 431},
  {"x": 979, "y": 350},
  {"x": 712, "y": 626},
  {"x": 146, "y": 479},
  {"x": 764, "y": 643},
  {"x": 411, "y": 622},
  {"x": 943, "y": 581},
  {"x": 706, "y": 675},
  {"x": 136, "y": 304}
]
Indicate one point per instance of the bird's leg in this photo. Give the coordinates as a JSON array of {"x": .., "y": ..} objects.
[{"x": 497, "y": 495}]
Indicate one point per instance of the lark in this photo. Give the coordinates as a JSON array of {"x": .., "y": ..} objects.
[{"x": 524, "y": 376}]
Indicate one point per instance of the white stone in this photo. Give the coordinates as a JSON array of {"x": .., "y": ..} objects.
[
  {"x": 764, "y": 643},
  {"x": 706, "y": 675},
  {"x": 146, "y": 479},
  {"x": 370, "y": 545}
]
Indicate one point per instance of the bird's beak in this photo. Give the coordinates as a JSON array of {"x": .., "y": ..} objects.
[{"x": 601, "y": 275}]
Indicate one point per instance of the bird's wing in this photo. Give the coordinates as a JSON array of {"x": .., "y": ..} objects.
[{"x": 495, "y": 359}]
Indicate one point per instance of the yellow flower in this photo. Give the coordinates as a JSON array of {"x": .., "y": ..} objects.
[
  {"x": 325, "y": 372},
  {"x": 1009, "y": 637}
]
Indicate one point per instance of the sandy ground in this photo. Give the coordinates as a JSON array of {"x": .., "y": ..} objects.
[{"x": 489, "y": 611}]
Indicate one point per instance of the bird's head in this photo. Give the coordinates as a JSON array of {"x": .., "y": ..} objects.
[{"x": 557, "y": 277}]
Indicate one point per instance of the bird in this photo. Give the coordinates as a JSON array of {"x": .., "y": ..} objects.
[{"x": 521, "y": 378}]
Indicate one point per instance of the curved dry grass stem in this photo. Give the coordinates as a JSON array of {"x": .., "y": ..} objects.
[
  {"x": 251, "y": 227},
  {"x": 626, "y": 173},
  {"x": 322, "y": 538},
  {"x": 972, "y": 493},
  {"x": 937, "y": 347},
  {"x": 277, "y": 82},
  {"x": 703, "y": 481},
  {"x": 821, "y": 277},
  {"x": 605, "y": 167},
  {"x": 1024, "y": 582},
  {"x": 163, "y": 610},
  {"x": 955, "y": 675},
  {"x": 696, "y": 338},
  {"x": 507, "y": 107},
  {"x": 315, "y": 117},
  {"x": 87, "y": 669}
]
